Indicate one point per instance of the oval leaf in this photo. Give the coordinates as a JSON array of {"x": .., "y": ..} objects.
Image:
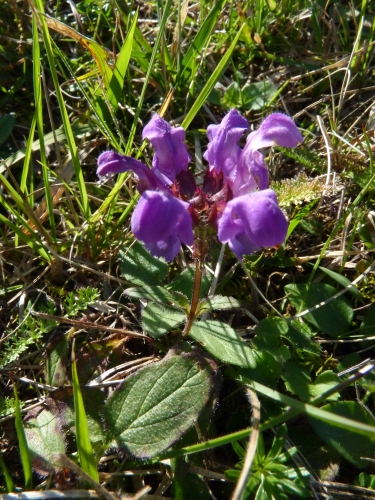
[
  {"x": 223, "y": 342},
  {"x": 351, "y": 446},
  {"x": 158, "y": 320},
  {"x": 218, "y": 302},
  {"x": 140, "y": 268},
  {"x": 157, "y": 294},
  {"x": 44, "y": 439},
  {"x": 154, "y": 407},
  {"x": 332, "y": 318}
]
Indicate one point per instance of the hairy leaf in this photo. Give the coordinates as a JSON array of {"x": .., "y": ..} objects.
[
  {"x": 140, "y": 268},
  {"x": 44, "y": 439},
  {"x": 154, "y": 407},
  {"x": 158, "y": 319},
  {"x": 223, "y": 342}
]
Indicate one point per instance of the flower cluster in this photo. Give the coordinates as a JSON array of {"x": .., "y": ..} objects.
[{"x": 235, "y": 197}]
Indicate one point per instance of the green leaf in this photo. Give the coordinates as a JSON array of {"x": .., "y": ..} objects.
[
  {"x": 7, "y": 123},
  {"x": 257, "y": 95},
  {"x": 268, "y": 334},
  {"x": 345, "y": 282},
  {"x": 117, "y": 80},
  {"x": 184, "y": 283},
  {"x": 140, "y": 268},
  {"x": 218, "y": 303},
  {"x": 232, "y": 95},
  {"x": 367, "y": 327},
  {"x": 86, "y": 456},
  {"x": 62, "y": 405},
  {"x": 158, "y": 320},
  {"x": 187, "y": 485},
  {"x": 323, "y": 383},
  {"x": 56, "y": 362},
  {"x": 297, "y": 379},
  {"x": 223, "y": 342},
  {"x": 196, "y": 47},
  {"x": 202, "y": 97},
  {"x": 157, "y": 294},
  {"x": 268, "y": 368},
  {"x": 154, "y": 407},
  {"x": 354, "y": 426},
  {"x": 350, "y": 446},
  {"x": 8, "y": 478},
  {"x": 332, "y": 318},
  {"x": 22, "y": 442},
  {"x": 44, "y": 438},
  {"x": 278, "y": 442}
]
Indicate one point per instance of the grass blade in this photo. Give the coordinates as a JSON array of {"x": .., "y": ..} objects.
[
  {"x": 117, "y": 81},
  {"x": 197, "y": 45},
  {"x": 112, "y": 196},
  {"x": 39, "y": 120},
  {"x": 64, "y": 114},
  {"x": 210, "y": 83},
  {"x": 8, "y": 478},
  {"x": 99, "y": 54},
  {"x": 24, "y": 449},
  {"x": 86, "y": 456}
]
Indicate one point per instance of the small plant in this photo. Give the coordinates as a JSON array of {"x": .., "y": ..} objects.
[{"x": 273, "y": 474}]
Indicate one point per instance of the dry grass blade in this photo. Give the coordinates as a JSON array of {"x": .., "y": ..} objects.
[
  {"x": 66, "y": 462},
  {"x": 251, "y": 448},
  {"x": 50, "y": 494},
  {"x": 89, "y": 324}
]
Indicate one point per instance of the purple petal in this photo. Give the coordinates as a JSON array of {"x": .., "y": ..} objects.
[
  {"x": 171, "y": 155},
  {"x": 110, "y": 163},
  {"x": 276, "y": 130},
  {"x": 252, "y": 221},
  {"x": 252, "y": 173},
  {"x": 162, "y": 222},
  {"x": 223, "y": 150}
]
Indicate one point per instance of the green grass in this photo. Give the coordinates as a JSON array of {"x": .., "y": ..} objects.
[{"x": 79, "y": 79}]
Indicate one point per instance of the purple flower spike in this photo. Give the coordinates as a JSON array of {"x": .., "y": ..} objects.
[
  {"x": 110, "y": 163},
  {"x": 162, "y": 222},
  {"x": 252, "y": 221},
  {"x": 171, "y": 155},
  {"x": 223, "y": 150}
]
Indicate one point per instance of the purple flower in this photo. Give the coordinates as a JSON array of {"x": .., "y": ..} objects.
[
  {"x": 252, "y": 221},
  {"x": 276, "y": 130},
  {"x": 234, "y": 195},
  {"x": 223, "y": 149},
  {"x": 171, "y": 155},
  {"x": 162, "y": 222},
  {"x": 110, "y": 163}
]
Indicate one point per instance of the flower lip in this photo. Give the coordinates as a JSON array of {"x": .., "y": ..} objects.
[
  {"x": 276, "y": 130},
  {"x": 110, "y": 163},
  {"x": 162, "y": 222},
  {"x": 252, "y": 221}
]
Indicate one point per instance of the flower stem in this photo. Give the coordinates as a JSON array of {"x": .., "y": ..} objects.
[{"x": 195, "y": 297}]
